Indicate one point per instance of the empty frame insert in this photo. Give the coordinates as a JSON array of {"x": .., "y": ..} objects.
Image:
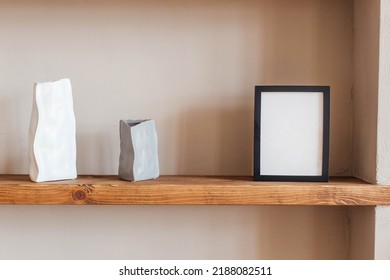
[{"x": 291, "y": 133}]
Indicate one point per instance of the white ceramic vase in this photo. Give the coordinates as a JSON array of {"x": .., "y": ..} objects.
[
  {"x": 52, "y": 136},
  {"x": 138, "y": 158}
]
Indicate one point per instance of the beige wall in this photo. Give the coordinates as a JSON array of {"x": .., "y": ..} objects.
[
  {"x": 382, "y": 236},
  {"x": 192, "y": 66},
  {"x": 383, "y": 158},
  {"x": 382, "y": 213},
  {"x": 172, "y": 232},
  {"x": 361, "y": 231},
  {"x": 365, "y": 90},
  {"x": 371, "y": 135}
]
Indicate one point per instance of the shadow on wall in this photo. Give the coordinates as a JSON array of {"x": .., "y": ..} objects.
[
  {"x": 306, "y": 234},
  {"x": 13, "y": 135},
  {"x": 216, "y": 141},
  {"x": 99, "y": 153},
  {"x": 301, "y": 46},
  {"x": 173, "y": 232}
]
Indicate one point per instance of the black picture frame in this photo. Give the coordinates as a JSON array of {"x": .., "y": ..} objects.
[{"x": 259, "y": 93}]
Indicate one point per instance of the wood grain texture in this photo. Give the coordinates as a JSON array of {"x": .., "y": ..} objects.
[{"x": 189, "y": 190}]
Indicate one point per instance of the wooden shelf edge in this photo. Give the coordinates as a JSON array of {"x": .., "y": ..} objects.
[{"x": 190, "y": 190}]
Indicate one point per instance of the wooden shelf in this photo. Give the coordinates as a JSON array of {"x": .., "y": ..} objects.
[{"x": 190, "y": 190}]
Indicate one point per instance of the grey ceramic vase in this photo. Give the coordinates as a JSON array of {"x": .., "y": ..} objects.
[{"x": 138, "y": 158}]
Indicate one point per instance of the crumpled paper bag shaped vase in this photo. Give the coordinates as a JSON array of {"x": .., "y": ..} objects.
[
  {"x": 138, "y": 158},
  {"x": 52, "y": 135}
]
